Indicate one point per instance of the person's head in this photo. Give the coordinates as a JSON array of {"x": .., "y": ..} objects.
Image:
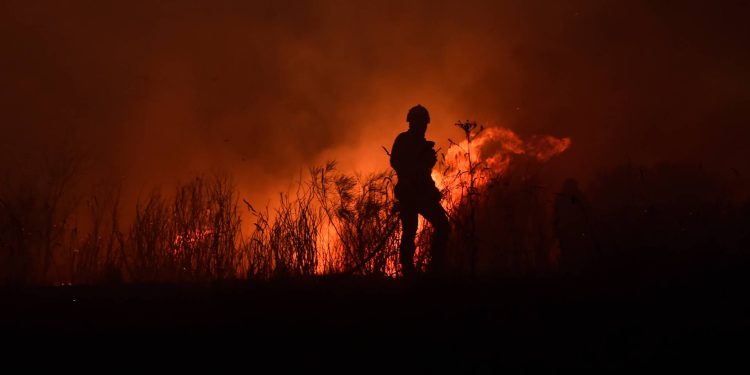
[{"x": 418, "y": 118}]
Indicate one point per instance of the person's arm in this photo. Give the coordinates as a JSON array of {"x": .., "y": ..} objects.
[
  {"x": 432, "y": 154},
  {"x": 428, "y": 155},
  {"x": 397, "y": 155}
]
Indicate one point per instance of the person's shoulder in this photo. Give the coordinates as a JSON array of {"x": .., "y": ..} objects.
[{"x": 401, "y": 138}]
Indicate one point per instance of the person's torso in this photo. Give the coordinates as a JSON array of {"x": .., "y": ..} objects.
[{"x": 414, "y": 159}]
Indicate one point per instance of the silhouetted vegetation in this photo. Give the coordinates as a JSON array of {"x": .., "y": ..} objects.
[
  {"x": 333, "y": 223},
  {"x": 636, "y": 219},
  {"x": 667, "y": 218}
]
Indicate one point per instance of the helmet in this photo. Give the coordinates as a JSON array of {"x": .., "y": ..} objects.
[{"x": 418, "y": 113}]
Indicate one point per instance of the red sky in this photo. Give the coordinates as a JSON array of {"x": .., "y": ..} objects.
[{"x": 156, "y": 91}]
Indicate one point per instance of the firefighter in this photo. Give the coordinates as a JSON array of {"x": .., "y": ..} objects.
[{"x": 413, "y": 157}]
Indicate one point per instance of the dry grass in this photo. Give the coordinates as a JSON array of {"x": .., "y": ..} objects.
[{"x": 338, "y": 223}]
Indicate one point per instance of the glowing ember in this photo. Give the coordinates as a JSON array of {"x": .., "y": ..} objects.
[{"x": 190, "y": 240}]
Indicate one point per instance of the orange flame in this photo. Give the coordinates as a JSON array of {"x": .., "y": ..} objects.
[{"x": 489, "y": 154}]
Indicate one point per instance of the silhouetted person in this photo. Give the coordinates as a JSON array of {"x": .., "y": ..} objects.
[
  {"x": 577, "y": 245},
  {"x": 413, "y": 157}
]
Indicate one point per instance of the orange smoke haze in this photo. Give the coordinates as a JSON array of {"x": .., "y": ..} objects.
[{"x": 155, "y": 92}]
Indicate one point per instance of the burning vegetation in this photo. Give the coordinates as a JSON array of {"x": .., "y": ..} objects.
[
  {"x": 334, "y": 223},
  {"x": 504, "y": 221},
  {"x": 486, "y": 154}
]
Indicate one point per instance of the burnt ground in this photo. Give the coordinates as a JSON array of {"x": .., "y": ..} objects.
[{"x": 353, "y": 324}]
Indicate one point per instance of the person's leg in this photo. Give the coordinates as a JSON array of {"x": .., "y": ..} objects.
[
  {"x": 408, "y": 233},
  {"x": 435, "y": 214}
]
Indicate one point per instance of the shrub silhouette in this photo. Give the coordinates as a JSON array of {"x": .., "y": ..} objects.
[{"x": 669, "y": 218}]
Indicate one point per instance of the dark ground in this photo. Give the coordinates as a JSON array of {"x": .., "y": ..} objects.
[{"x": 696, "y": 320}]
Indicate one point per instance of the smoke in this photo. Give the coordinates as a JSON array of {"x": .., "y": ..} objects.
[{"x": 156, "y": 91}]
